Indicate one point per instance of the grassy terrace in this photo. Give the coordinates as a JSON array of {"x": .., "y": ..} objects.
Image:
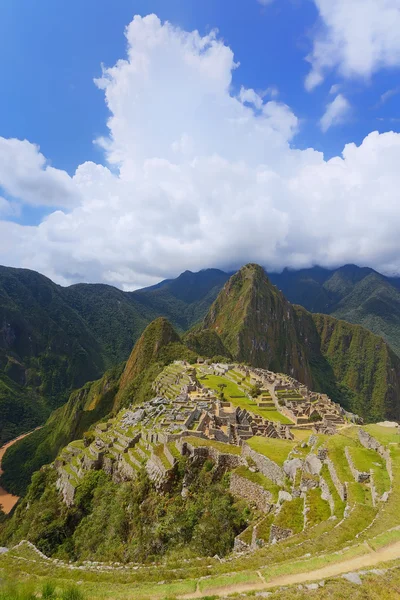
[
  {"x": 385, "y": 435},
  {"x": 260, "y": 479},
  {"x": 224, "y": 448},
  {"x": 274, "y": 449},
  {"x": 364, "y": 460},
  {"x": 291, "y": 515},
  {"x": 235, "y": 394},
  {"x": 318, "y": 508},
  {"x": 339, "y": 504},
  {"x": 336, "y": 445}
]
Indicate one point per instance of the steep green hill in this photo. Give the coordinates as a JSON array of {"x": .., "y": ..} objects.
[
  {"x": 357, "y": 295},
  {"x": 127, "y": 383},
  {"x": 259, "y": 326},
  {"x": 54, "y": 339}
]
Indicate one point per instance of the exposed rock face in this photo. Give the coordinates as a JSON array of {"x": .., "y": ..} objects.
[
  {"x": 290, "y": 467},
  {"x": 284, "y": 497},
  {"x": 313, "y": 464}
]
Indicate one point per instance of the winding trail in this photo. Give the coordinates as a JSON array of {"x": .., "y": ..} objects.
[
  {"x": 382, "y": 555},
  {"x": 8, "y": 501}
]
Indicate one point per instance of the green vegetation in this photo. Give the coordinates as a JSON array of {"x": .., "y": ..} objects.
[
  {"x": 233, "y": 393},
  {"x": 131, "y": 520},
  {"x": 260, "y": 479},
  {"x": 318, "y": 508},
  {"x": 220, "y": 446},
  {"x": 275, "y": 449},
  {"x": 291, "y": 515}
]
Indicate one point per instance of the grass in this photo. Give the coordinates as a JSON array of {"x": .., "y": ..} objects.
[
  {"x": 276, "y": 450},
  {"x": 264, "y": 528},
  {"x": 213, "y": 583},
  {"x": 259, "y": 479},
  {"x": 338, "y": 502},
  {"x": 159, "y": 452},
  {"x": 319, "y": 509},
  {"x": 224, "y": 448},
  {"x": 364, "y": 460},
  {"x": 235, "y": 394},
  {"x": 385, "y": 435},
  {"x": 291, "y": 515}
]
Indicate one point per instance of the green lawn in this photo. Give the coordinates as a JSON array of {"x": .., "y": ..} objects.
[
  {"x": 233, "y": 393},
  {"x": 274, "y": 449}
]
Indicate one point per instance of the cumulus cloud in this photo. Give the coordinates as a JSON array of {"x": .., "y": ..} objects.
[
  {"x": 26, "y": 175},
  {"x": 199, "y": 177},
  {"x": 335, "y": 113},
  {"x": 354, "y": 37}
]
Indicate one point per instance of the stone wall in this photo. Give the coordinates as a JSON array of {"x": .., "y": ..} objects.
[
  {"x": 326, "y": 494},
  {"x": 340, "y": 487},
  {"x": 254, "y": 493},
  {"x": 279, "y": 533},
  {"x": 372, "y": 444},
  {"x": 359, "y": 476},
  {"x": 266, "y": 466}
]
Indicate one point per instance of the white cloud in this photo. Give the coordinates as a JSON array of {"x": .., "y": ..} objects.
[
  {"x": 335, "y": 113},
  {"x": 25, "y": 175},
  {"x": 200, "y": 178},
  {"x": 355, "y": 37}
]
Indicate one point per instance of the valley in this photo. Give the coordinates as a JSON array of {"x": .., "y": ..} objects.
[{"x": 247, "y": 453}]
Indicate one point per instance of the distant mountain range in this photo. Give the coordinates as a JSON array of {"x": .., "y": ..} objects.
[
  {"x": 250, "y": 321},
  {"x": 54, "y": 339}
]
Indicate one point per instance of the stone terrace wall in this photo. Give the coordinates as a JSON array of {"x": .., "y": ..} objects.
[
  {"x": 254, "y": 493},
  {"x": 359, "y": 476},
  {"x": 340, "y": 487},
  {"x": 372, "y": 444},
  {"x": 266, "y": 466}
]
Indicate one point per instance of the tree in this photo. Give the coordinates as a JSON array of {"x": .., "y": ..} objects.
[{"x": 255, "y": 390}]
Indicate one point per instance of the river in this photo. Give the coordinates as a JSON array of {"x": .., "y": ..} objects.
[{"x": 8, "y": 501}]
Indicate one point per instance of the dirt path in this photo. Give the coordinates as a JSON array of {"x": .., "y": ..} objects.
[
  {"x": 388, "y": 553},
  {"x": 8, "y": 501}
]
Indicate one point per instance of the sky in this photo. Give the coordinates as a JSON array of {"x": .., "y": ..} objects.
[{"x": 141, "y": 138}]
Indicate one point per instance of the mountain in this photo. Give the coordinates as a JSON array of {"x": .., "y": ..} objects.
[
  {"x": 129, "y": 382},
  {"x": 257, "y": 325},
  {"x": 184, "y": 300},
  {"x": 354, "y": 294},
  {"x": 54, "y": 339}
]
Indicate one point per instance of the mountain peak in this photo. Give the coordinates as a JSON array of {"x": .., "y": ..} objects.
[{"x": 158, "y": 334}]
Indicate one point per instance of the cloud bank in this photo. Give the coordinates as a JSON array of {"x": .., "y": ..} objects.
[{"x": 197, "y": 177}]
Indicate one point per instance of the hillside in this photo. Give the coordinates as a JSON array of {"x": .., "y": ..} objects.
[
  {"x": 152, "y": 505},
  {"x": 158, "y": 345},
  {"x": 357, "y": 295},
  {"x": 54, "y": 339},
  {"x": 257, "y": 325}
]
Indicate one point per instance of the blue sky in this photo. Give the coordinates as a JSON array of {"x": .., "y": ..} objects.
[{"x": 51, "y": 51}]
